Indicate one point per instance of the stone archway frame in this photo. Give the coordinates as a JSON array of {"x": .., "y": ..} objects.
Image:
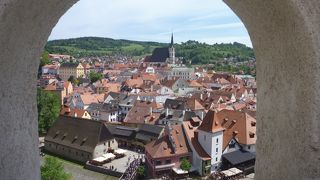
[{"x": 284, "y": 33}]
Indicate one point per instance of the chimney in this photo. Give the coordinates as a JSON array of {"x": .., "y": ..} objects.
[
  {"x": 201, "y": 96},
  {"x": 202, "y": 115},
  {"x": 183, "y": 112},
  {"x": 167, "y": 112},
  {"x": 151, "y": 111}
]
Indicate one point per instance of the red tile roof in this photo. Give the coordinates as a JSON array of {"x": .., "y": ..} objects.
[{"x": 172, "y": 143}]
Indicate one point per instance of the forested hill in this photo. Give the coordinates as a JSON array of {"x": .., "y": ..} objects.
[{"x": 198, "y": 53}]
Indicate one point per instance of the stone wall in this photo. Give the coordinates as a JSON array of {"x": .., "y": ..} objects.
[{"x": 286, "y": 38}]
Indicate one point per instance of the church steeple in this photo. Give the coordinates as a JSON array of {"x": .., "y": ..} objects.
[
  {"x": 172, "y": 52},
  {"x": 171, "y": 44}
]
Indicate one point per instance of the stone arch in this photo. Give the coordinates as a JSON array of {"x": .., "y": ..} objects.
[{"x": 286, "y": 40}]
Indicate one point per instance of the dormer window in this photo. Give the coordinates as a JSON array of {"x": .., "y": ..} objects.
[
  {"x": 251, "y": 134},
  {"x": 74, "y": 139},
  {"x": 57, "y": 133},
  {"x": 232, "y": 124},
  {"x": 225, "y": 120},
  {"x": 83, "y": 141},
  {"x": 235, "y": 133},
  {"x": 64, "y": 136}
]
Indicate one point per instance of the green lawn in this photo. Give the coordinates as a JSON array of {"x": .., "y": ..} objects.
[{"x": 79, "y": 173}]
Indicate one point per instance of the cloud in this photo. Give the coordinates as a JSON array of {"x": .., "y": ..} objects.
[{"x": 153, "y": 19}]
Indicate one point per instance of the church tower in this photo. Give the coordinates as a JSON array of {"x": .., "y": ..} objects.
[{"x": 172, "y": 52}]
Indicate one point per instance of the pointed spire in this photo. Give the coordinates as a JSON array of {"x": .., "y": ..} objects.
[{"x": 171, "y": 44}]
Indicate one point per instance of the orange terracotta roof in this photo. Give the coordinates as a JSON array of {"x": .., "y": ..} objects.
[
  {"x": 210, "y": 123},
  {"x": 172, "y": 143},
  {"x": 136, "y": 83},
  {"x": 89, "y": 98},
  {"x": 50, "y": 87},
  {"x": 194, "y": 104},
  {"x": 72, "y": 112},
  {"x": 194, "y": 83},
  {"x": 149, "y": 104},
  {"x": 66, "y": 84},
  {"x": 169, "y": 83},
  {"x": 190, "y": 133},
  {"x": 141, "y": 115},
  {"x": 236, "y": 124}
]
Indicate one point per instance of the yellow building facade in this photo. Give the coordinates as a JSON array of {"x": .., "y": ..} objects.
[{"x": 71, "y": 69}]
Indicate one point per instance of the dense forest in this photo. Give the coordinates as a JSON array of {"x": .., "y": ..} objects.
[{"x": 196, "y": 52}]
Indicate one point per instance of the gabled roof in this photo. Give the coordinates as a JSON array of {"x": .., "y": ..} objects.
[
  {"x": 173, "y": 143},
  {"x": 210, "y": 123},
  {"x": 77, "y": 133},
  {"x": 159, "y": 55},
  {"x": 169, "y": 82},
  {"x": 72, "y": 112},
  {"x": 134, "y": 83},
  {"x": 194, "y": 104},
  {"x": 122, "y": 131},
  {"x": 238, "y": 125},
  {"x": 190, "y": 133},
  {"x": 175, "y": 104},
  {"x": 141, "y": 115}
]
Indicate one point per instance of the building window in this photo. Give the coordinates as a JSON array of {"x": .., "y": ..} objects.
[
  {"x": 216, "y": 150},
  {"x": 216, "y": 159},
  {"x": 217, "y": 140},
  {"x": 249, "y": 147},
  {"x": 158, "y": 162},
  {"x": 168, "y": 161}
]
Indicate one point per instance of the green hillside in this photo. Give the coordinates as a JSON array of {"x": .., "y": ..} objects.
[{"x": 198, "y": 53}]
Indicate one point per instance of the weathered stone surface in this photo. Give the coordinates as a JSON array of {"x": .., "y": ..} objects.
[
  {"x": 285, "y": 35},
  {"x": 24, "y": 28}
]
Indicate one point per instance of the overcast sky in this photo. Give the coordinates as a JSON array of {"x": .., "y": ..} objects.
[{"x": 209, "y": 21}]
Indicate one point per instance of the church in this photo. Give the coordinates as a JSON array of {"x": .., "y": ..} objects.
[{"x": 164, "y": 55}]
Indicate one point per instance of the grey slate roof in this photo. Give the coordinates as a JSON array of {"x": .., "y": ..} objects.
[
  {"x": 175, "y": 104},
  {"x": 77, "y": 133},
  {"x": 238, "y": 157},
  {"x": 122, "y": 131},
  {"x": 160, "y": 55},
  {"x": 144, "y": 132},
  {"x": 69, "y": 65}
]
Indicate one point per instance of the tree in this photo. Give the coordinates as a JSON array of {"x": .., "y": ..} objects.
[
  {"x": 48, "y": 109},
  {"x": 53, "y": 170},
  {"x": 141, "y": 171},
  {"x": 95, "y": 77},
  {"x": 185, "y": 164},
  {"x": 44, "y": 58},
  {"x": 71, "y": 79}
]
